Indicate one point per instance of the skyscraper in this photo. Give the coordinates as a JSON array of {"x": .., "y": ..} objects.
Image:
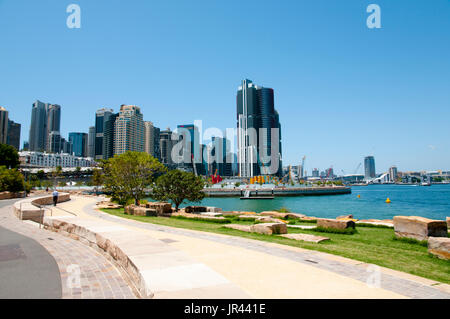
[
  {"x": 257, "y": 120},
  {"x": 66, "y": 146},
  {"x": 53, "y": 144},
  {"x": 45, "y": 119},
  {"x": 53, "y": 125},
  {"x": 79, "y": 143},
  {"x": 91, "y": 142},
  {"x": 13, "y": 138},
  {"x": 3, "y": 125},
  {"x": 166, "y": 144},
  {"x": 38, "y": 127},
  {"x": 369, "y": 167},
  {"x": 188, "y": 135},
  {"x": 221, "y": 163},
  {"x": 109, "y": 135},
  {"x": 101, "y": 116},
  {"x": 129, "y": 130},
  {"x": 151, "y": 144}
]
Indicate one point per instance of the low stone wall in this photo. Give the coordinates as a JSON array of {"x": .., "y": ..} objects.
[
  {"x": 9, "y": 195},
  {"x": 28, "y": 209},
  {"x": 113, "y": 245}
]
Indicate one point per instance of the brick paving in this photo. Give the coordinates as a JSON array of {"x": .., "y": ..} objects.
[{"x": 85, "y": 273}]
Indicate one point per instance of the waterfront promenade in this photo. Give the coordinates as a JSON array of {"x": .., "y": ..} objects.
[
  {"x": 180, "y": 263},
  {"x": 41, "y": 266}
]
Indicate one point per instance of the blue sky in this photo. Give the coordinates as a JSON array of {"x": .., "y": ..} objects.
[{"x": 343, "y": 91}]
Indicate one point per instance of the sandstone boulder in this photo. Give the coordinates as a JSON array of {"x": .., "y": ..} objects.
[
  {"x": 269, "y": 228},
  {"x": 306, "y": 237},
  {"x": 140, "y": 211},
  {"x": 295, "y": 215},
  {"x": 211, "y": 214},
  {"x": 195, "y": 209},
  {"x": 274, "y": 214},
  {"x": 129, "y": 210},
  {"x": 161, "y": 208},
  {"x": 345, "y": 217},
  {"x": 439, "y": 246},
  {"x": 336, "y": 224},
  {"x": 108, "y": 205},
  {"x": 448, "y": 223},
  {"x": 419, "y": 228}
]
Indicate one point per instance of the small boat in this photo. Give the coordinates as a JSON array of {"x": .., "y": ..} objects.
[{"x": 425, "y": 184}]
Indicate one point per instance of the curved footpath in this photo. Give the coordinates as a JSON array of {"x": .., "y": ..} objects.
[
  {"x": 37, "y": 263},
  {"x": 167, "y": 262}
]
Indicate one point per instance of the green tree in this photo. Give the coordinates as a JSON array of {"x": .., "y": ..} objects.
[
  {"x": 97, "y": 178},
  {"x": 127, "y": 175},
  {"x": 40, "y": 174},
  {"x": 178, "y": 186},
  {"x": 11, "y": 180},
  {"x": 57, "y": 172},
  {"x": 9, "y": 156}
]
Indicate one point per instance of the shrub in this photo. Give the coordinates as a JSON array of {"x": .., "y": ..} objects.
[
  {"x": 11, "y": 180},
  {"x": 284, "y": 210}
]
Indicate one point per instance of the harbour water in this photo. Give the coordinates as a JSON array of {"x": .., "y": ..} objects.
[{"x": 431, "y": 202}]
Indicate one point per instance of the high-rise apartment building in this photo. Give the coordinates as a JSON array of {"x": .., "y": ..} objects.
[
  {"x": 13, "y": 138},
  {"x": 369, "y": 167},
  {"x": 393, "y": 173},
  {"x": 257, "y": 120},
  {"x": 101, "y": 116},
  {"x": 79, "y": 143},
  {"x": 129, "y": 130},
  {"x": 3, "y": 125}
]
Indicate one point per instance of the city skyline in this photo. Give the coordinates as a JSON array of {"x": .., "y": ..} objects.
[{"x": 337, "y": 106}]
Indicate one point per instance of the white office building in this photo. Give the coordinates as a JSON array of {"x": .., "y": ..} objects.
[{"x": 38, "y": 159}]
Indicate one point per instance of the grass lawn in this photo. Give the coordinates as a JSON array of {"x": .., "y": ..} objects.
[{"x": 370, "y": 244}]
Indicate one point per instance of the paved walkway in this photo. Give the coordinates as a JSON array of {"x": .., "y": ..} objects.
[
  {"x": 72, "y": 269},
  {"x": 264, "y": 270}
]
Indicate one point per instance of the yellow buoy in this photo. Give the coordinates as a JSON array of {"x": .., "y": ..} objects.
[
  {"x": 388, "y": 200},
  {"x": 359, "y": 196}
]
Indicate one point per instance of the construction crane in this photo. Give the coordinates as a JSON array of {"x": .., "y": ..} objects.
[
  {"x": 329, "y": 171},
  {"x": 357, "y": 168}
]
